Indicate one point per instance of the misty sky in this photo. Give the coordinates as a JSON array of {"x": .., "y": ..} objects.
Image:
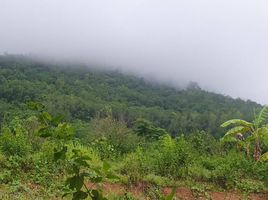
[{"x": 221, "y": 44}]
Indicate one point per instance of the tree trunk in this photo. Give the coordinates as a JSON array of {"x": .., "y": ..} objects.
[{"x": 257, "y": 150}]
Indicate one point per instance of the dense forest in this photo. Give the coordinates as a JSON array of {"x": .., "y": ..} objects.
[
  {"x": 78, "y": 132},
  {"x": 80, "y": 93}
]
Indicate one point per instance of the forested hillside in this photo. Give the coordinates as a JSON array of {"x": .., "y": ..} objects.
[
  {"x": 74, "y": 132},
  {"x": 80, "y": 93}
]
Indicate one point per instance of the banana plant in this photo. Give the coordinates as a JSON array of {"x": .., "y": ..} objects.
[{"x": 249, "y": 132}]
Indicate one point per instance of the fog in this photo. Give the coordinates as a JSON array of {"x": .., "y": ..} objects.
[{"x": 221, "y": 44}]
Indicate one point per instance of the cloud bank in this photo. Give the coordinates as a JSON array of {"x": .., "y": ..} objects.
[{"x": 221, "y": 44}]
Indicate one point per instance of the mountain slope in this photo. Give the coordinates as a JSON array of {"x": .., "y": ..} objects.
[{"x": 82, "y": 93}]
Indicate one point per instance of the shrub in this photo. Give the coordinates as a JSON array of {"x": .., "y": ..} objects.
[
  {"x": 167, "y": 158},
  {"x": 249, "y": 185},
  {"x": 134, "y": 166},
  {"x": 204, "y": 142},
  {"x": 200, "y": 173},
  {"x": 174, "y": 156},
  {"x": 113, "y": 134},
  {"x": 227, "y": 169},
  {"x": 13, "y": 139}
]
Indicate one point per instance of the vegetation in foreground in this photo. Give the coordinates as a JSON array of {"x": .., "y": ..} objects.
[
  {"x": 46, "y": 156},
  {"x": 41, "y": 154}
]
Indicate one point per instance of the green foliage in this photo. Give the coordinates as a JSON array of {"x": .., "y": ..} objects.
[
  {"x": 205, "y": 143},
  {"x": 114, "y": 118},
  {"x": 262, "y": 117},
  {"x": 80, "y": 170},
  {"x": 250, "y": 186},
  {"x": 104, "y": 148},
  {"x": 236, "y": 122},
  {"x": 264, "y": 157},
  {"x": 111, "y": 138},
  {"x": 126, "y": 196},
  {"x": 13, "y": 139},
  {"x": 168, "y": 157},
  {"x": 248, "y": 133},
  {"x": 156, "y": 180},
  {"x": 79, "y": 93},
  {"x": 180, "y": 158},
  {"x": 144, "y": 128},
  {"x": 136, "y": 165}
]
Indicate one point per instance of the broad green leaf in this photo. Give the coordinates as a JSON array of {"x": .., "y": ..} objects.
[
  {"x": 228, "y": 138},
  {"x": 96, "y": 195},
  {"x": 79, "y": 195},
  {"x": 263, "y": 115},
  {"x": 60, "y": 154},
  {"x": 236, "y": 122},
  {"x": 238, "y": 129},
  {"x": 75, "y": 182}
]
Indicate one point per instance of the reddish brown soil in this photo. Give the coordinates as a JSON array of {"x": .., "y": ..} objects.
[
  {"x": 182, "y": 193},
  {"x": 187, "y": 194},
  {"x": 235, "y": 196}
]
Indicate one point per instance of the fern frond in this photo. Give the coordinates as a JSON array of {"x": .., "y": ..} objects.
[{"x": 236, "y": 122}]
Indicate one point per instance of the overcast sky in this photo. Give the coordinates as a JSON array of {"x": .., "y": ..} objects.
[{"x": 221, "y": 44}]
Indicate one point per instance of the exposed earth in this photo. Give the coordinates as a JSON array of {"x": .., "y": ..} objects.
[{"x": 182, "y": 193}]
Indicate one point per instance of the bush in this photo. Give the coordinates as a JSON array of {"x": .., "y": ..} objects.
[
  {"x": 204, "y": 142},
  {"x": 113, "y": 135},
  {"x": 249, "y": 185},
  {"x": 200, "y": 173},
  {"x": 167, "y": 158},
  {"x": 226, "y": 170},
  {"x": 13, "y": 139},
  {"x": 135, "y": 166},
  {"x": 174, "y": 156}
]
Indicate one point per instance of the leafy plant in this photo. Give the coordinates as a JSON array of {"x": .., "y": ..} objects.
[
  {"x": 146, "y": 129},
  {"x": 13, "y": 140},
  {"x": 80, "y": 171},
  {"x": 249, "y": 131}
]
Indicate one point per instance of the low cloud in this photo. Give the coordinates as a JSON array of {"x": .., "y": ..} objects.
[{"x": 220, "y": 44}]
